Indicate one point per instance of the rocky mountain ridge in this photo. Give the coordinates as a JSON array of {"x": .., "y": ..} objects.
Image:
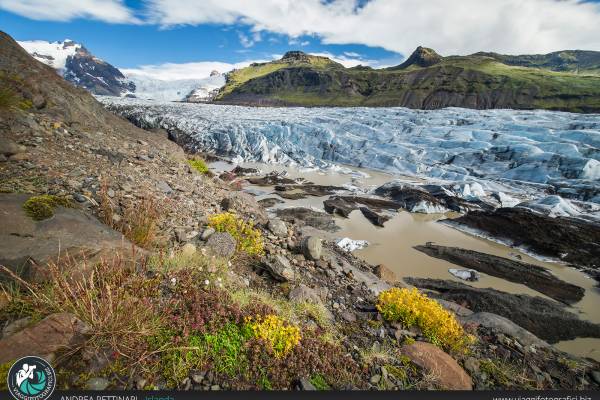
[{"x": 425, "y": 81}]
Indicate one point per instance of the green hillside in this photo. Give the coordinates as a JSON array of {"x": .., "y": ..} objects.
[{"x": 426, "y": 80}]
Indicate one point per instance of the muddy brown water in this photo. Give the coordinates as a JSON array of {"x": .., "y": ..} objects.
[{"x": 393, "y": 244}]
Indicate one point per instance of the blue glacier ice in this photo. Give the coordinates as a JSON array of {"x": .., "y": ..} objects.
[{"x": 503, "y": 151}]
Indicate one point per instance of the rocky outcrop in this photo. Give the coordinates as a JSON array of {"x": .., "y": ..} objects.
[
  {"x": 571, "y": 240},
  {"x": 425, "y": 81},
  {"x": 26, "y": 245},
  {"x": 544, "y": 318},
  {"x": 530, "y": 275},
  {"x": 306, "y": 216},
  {"x": 421, "y": 57}
]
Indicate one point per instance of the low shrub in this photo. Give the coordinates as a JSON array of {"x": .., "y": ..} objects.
[
  {"x": 413, "y": 308},
  {"x": 8, "y": 98},
  {"x": 140, "y": 220},
  {"x": 249, "y": 239},
  {"x": 42, "y": 207},
  {"x": 199, "y": 165},
  {"x": 280, "y": 335}
]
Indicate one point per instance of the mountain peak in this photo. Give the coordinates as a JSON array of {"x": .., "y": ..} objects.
[
  {"x": 422, "y": 57},
  {"x": 295, "y": 55}
]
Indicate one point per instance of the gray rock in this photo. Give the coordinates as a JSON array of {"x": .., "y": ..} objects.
[
  {"x": 312, "y": 247},
  {"x": 9, "y": 147},
  {"x": 79, "y": 198},
  {"x": 304, "y": 384},
  {"x": 222, "y": 244},
  {"x": 97, "y": 384},
  {"x": 246, "y": 206},
  {"x": 207, "y": 233},
  {"x": 348, "y": 316},
  {"x": 279, "y": 268},
  {"x": 278, "y": 227},
  {"x": 505, "y": 326},
  {"x": 595, "y": 376},
  {"x": 303, "y": 293},
  {"x": 26, "y": 246},
  {"x": 164, "y": 187}
]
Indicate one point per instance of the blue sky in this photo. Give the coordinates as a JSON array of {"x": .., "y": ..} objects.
[{"x": 130, "y": 34}]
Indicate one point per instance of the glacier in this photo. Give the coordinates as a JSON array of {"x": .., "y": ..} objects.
[{"x": 510, "y": 153}]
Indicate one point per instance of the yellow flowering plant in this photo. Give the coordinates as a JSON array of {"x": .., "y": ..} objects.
[
  {"x": 249, "y": 239},
  {"x": 413, "y": 308},
  {"x": 282, "y": 336}
]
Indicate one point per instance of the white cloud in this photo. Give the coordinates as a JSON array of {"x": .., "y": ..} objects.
[
  {"x": 113, "y": 11},
  {"x": 349, "y": 61},
  {"x": 450, "y": 27},
  {"x": 183, "y": 71}
]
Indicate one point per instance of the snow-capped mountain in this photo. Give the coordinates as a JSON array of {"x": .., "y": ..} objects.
[{"x": 78, "y": 66}]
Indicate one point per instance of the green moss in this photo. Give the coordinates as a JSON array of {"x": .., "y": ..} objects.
[
  {"x": 199, "y": 165},
  {"x": 319, "y": 382},
  {"x": 42, "y": 207}
]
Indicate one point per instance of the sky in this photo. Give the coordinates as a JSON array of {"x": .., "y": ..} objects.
[{"x": 174, "y": 39}]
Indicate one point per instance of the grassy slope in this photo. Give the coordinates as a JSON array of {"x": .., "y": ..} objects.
[{"x": 471, "y": 81}]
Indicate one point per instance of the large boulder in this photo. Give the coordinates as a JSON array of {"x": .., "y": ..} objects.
[
  {"x": 26, "y": 245},
  {"x": 57, "y": 332},
  {"x": 312, "y": 247},
  {"x": 278, "y": 227},
  {"x": 445, "y": 370},
  {"x": 279, "y": 268},
  {"x": 9, "y": 147},
  {"x": 221, "y": 244},
  {"x": 246, "y": 206},
  {"x": 385, "y": 273}
]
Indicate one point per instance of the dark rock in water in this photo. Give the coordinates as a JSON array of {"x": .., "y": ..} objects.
[
  {"x": 340, "y": 206},
  {"x": 344, "y": 205},
  {"x": 292, "y": 195},
  {"x": 544, "y": 318},
  {"x": 271, "y": 179},
  {"x": 530, "y": 275},
  {"x": 241, "y": 171},
  {"x": 270, "y": 202},
  {"x": 376, "y": 219},
  {"x": 310, "y": 189},
  {"x": 428, "y": 198},
  {"x": 571, "y": 240},
  {"x": 309, "y": 217}
]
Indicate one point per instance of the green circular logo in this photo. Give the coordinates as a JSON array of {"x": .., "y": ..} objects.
[{"x": 31, "y": 378}]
